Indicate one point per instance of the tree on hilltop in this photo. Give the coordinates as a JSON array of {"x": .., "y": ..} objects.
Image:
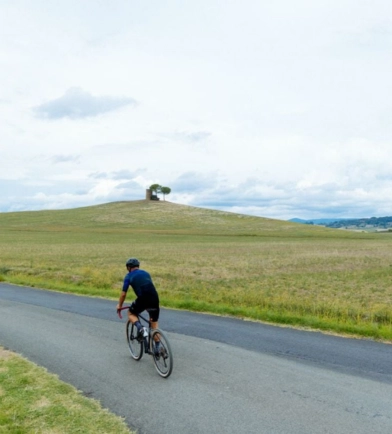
[
  {"x": 165, "y": 190},
  {"x": 155, "y": 188}
]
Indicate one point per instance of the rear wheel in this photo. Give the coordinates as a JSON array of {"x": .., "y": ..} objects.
[
  {"x": 135, "y": 345},
  {"x": 163, "y": 358}
]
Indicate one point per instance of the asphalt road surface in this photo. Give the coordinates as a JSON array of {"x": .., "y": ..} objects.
[{"x": 229, "y": 376}]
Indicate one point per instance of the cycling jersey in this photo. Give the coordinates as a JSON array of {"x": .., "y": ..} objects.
[
  {"x": 147, "y": 296},
  {"x": 141, "y": 283}
]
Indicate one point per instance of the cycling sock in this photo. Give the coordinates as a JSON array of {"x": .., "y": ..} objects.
[{"x": 138, "y": 325}]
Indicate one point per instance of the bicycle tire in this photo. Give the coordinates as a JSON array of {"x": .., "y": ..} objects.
[
  {"x": 134, "y": 344},
  {"x": 164, "y": 360}
]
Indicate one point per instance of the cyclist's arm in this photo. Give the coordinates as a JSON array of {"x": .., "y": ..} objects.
[{"x": 121, "y": 300}]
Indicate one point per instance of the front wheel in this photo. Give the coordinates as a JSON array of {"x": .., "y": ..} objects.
[
  {"x": 163, "y": 357},
  {"x": 134, "y": 344}
]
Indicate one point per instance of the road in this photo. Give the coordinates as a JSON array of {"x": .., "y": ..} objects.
[{"x": 229, "y": 376}]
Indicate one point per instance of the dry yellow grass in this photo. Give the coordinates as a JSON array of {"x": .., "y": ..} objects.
[{"x": 209, "y": 260}]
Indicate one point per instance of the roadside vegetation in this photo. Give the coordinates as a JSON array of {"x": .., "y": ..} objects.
[
  {"x": 210, "y": 261},
  {"x": 34, "y": 401},
  {"x": 201, "y": 260}
]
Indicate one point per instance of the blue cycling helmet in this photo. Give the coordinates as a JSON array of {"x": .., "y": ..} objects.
[{"x": 132, "y": 262}]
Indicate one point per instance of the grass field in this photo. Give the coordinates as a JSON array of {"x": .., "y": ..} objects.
[
  {"x": 209, "y": 261},
  {"x": 35, "y": 401}
]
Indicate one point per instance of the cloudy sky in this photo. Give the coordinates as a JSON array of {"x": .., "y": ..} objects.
[{"x": 273, "y": 108}]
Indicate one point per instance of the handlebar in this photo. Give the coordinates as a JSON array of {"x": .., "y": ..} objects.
[
  {"x": 127, "y": 307},
  {"x": 119, "y": 311}
]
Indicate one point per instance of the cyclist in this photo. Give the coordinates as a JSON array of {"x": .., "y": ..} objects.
[{"x": 146, "y": 297}]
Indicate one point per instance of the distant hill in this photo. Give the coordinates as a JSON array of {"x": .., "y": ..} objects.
[
  {"x": 314, "y": 221},
  {"x": 361, "y": 223},
  {"x": 372, "y": 222},
  {"x": 159, "y": 217}
]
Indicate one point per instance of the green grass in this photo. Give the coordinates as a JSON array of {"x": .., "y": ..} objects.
[
  {"x": 201, "y": 260},
  {"x": 210, "y": 261},
  {"x": 34, "y": 401}
]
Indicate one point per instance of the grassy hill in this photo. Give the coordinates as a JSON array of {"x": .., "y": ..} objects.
[
  {"x": 159, "y": 217},
  {"x": 208, "y": 260}
]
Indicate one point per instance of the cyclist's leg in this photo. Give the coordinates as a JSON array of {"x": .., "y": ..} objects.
[
  {"x": 133, "y": 318},
  {"x": 153, "y": 312},
  {"x": 135, "y": 309}
]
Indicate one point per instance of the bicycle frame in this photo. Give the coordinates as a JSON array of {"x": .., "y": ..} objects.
[
  {"x": 162, "y": 357},
  {"x": 147, "y": 341}
]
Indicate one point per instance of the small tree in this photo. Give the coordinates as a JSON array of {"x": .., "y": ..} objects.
[
  {"x": 165, "y": 190},
  {"x": 155, "y": 188}
]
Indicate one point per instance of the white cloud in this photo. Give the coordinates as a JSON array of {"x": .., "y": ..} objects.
[
  {"x": 76, "y": 103},
  {"x": 277, "y": 109},
  {"x": 59, "y": 159}
]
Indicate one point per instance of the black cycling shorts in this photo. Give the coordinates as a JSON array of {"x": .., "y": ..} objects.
[{"x": 150, "y": 304}]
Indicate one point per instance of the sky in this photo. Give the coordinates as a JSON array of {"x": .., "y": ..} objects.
[{"x": 272, "y": 108}]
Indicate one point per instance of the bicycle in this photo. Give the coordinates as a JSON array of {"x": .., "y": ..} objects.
[{"x": 163, "y": 358}]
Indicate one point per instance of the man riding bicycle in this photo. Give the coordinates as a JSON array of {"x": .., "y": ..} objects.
[{"x": 146, "y": 297}]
